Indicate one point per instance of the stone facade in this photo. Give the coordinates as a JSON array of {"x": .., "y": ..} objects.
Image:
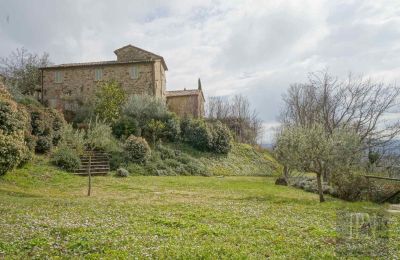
[
  {"x": 186, "y": 103},
  {"x": 66, "y": 87}
]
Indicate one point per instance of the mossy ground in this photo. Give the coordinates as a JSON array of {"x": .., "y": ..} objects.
[{"x": 45, "y": 213}]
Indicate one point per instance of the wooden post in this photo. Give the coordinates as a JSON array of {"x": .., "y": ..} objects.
[
  {"x": 89, "y": 175},
  {"x": 369, "y": 188}
]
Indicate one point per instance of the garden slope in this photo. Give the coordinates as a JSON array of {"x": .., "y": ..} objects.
[
  {"x": 243, "y": 160},
  {"x": 45, "y": 213}
]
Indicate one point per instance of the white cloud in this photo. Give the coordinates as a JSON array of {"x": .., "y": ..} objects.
[{"x": 256, "y": 48}]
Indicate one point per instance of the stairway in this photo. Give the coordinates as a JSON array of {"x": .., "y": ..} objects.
[{"x": 100, "y": 163}]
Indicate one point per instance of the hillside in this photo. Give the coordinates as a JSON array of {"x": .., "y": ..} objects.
[
  {"x": 181, "y": 159},
  {"x": 45, "y": 212}
]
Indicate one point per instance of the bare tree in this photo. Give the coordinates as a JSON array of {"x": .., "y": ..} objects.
[
  {"x": 355, "y": 103},
  {"x": 21, "y": 70},
  {"x": 237, "y": 114}
]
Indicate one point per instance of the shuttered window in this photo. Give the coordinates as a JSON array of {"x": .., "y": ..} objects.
[
  {"x": 134, "y": 72},
  {"x": 98, "y": 74},
  {"x": 58, "y": 77}
]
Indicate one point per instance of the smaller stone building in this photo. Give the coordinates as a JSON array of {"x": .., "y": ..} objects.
[{"x": 187, "y": 102}]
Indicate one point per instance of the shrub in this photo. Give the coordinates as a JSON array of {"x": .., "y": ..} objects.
[
  {"x": 137, "y": 149},
  {"x": 172, "y": 130},
  {"x": 221, "y": 139},
  {"x": 143, "y": 108},
  {"x": 12, "y": 117},
  {"x": 41, "y": 122},
  {"x": 30, "y": 140},
  {"x": 12, "y": 151},
  {"x": 125, "y": 127},
  {"x": 73, "y": 138},
  {"x": 349, "y": 186},
  {"x": 66, "y": 159},
  {"x": 14, "y": 123},
  {"x": 58, "y": 123},
  {"x": 137, "y": 169},
  {"x": 122, "y": 172},
  {"x": 116, "y": 159},
  {"x": 99, "y": 137},
  {"x": 199, "y": 135},
  {"x": 43, "y": 144},
  {"x": 155, "y": 129}
]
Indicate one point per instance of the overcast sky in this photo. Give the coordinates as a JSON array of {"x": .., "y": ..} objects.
[{"x": 257, "y": 48}]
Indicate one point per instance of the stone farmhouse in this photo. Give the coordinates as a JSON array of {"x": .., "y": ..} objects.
[{"x": 67, "y": 87}]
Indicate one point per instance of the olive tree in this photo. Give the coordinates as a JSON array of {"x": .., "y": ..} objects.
[
  {"x": 312, "y": 149},
  {"x": 21, "y": 69},
  {"x": 109, "y": 100},
  {"x": 142, "y": 108}
]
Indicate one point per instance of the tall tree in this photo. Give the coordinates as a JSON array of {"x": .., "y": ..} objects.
[
  {"x": 356, "y": 103},
  {"x": 237, "y": 114},
  {"x": 21, "y": 70}
]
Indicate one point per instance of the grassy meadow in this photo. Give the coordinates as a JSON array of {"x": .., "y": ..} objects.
[{"x": 45, "y": 213}]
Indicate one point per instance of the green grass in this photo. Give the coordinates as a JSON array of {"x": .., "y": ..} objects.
[
  {"x": 44, "y": 213},
  {"x": 243, "y": 160}
]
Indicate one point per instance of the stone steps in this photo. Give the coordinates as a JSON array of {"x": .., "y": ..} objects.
[{"x": 99, "y": 164}]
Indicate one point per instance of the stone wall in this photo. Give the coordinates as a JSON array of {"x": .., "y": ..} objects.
[
  {"x": 188, "y": 105},
  {"x": 78, "y": 83},
  {"x": 160, "y": 79}
]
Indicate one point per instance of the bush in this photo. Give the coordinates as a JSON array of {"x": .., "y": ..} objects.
[
  {"x": 350, "y": 186},
  {"x": 66, "y": 159},
  {"x": 137, "y": 149},
  {"x": 99, "y": 137},
  {"x": 41, "y": 122},
  {"x": 309, "y": 184},
  {"x": 125, "y": 127},
  {"x": 12, "y": 152},
  {"x": 58, "y": 123},
  {"x": 221, "y": 139},
  {"x": 121, "y": 172},
  {"x": 43, "y": 144},
  {"x": 143, "y": 108},
  {"x": 73, "y": 138},
  {"x": 137, "y": 169},
  {"x": 199, "y": 135},
  {"x": 172, "y": 130},
  {"x": 116, "y": 160},
  {"x": 14, "y": 123}
]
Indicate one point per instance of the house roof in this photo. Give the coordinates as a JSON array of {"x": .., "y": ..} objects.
[
  {"x": 152, "y": 55},
  {"x": 97, "y": 63},
  {"x": 186, "y": 92}
]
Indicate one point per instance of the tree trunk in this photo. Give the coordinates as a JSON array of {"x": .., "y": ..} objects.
[
  {"x": 286, "y": 173},
  {"x": 325, "y": 176},
  {"x": 89, "y": 175},
  {"x": 321, "y": 194}
]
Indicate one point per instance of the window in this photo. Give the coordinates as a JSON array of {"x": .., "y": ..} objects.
[
  {"x": 134, "y": 72},
  {"x": 98, "y": 74},
  {"x": 58, "y": 77}
]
